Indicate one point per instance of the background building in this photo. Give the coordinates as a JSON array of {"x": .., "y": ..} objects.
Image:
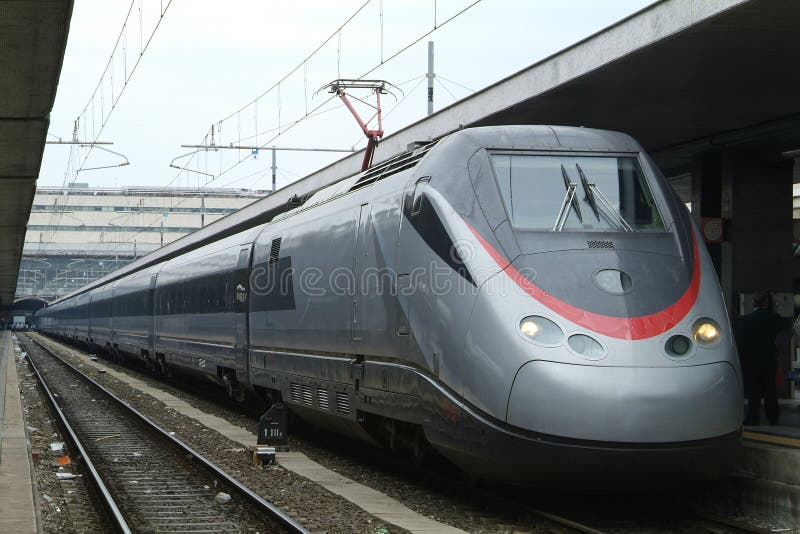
[{"x": 78, "y": 234}]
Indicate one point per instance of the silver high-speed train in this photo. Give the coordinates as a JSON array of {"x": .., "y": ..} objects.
[{"x": 533, "y": 302}]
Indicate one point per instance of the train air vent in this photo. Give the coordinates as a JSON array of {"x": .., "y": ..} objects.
[
  {"x": 401, "y": 162},
  {"x": 308, "y": 398},
  {"x": 600, "y": 244},
  {"x": 322, "y": 399},
  {"x": 294, "y": 392},
  {"x": 275, "y": 250},
  {"x": 342, "y": 403}
]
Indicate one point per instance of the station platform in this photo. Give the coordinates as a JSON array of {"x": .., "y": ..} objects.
[
  {"x": 767, "y": 481},
  {"x": 786, "y": 432},
  {"x": 17, "y": 510}
]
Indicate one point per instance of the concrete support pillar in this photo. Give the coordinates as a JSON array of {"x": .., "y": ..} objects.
[
  {"x": 707, "y": 196},
  {"x": 760, "y": 229},
  {"x": 754, "y": 194}
]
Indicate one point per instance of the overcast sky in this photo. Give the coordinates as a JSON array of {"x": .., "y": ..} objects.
[{"x": 209, "y": 59}]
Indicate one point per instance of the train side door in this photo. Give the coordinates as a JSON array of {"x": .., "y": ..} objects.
[
  {"x": 89, "y": 326},
  {"x": 408, "y": 260},
  {"x": 151, "y": 314},
  {"x": 111, "y": 336},
  {"x": 239, "y": 294},
  {"x": 360, "y": 262}
]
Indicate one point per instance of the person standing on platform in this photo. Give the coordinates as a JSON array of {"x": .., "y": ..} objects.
[{"x": 755, "y": 336}]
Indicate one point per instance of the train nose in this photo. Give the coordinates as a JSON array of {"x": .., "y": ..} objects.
[{"x": 626, "y": 404}]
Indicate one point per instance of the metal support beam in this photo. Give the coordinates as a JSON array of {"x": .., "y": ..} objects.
[
  {"x": 274, "y": 172},
  {"x": 255, "y": 147},
  {"x": 80, "y": 143},
  {"x": 430, "y": 76}
]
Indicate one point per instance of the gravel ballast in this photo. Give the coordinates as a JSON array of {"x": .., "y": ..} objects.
[
  {"x": 66, "y": 505},
  {"x": 311, "y": 505}
]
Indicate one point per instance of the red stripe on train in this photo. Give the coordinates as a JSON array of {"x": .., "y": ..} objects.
[{"x": 642, "y": 327}]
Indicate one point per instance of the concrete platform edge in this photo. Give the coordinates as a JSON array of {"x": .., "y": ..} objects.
[{"x": 16, "y": 470}]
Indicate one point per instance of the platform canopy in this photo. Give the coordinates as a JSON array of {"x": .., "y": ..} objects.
[
  {"x": 681, "y": 76},
  {"x": 33, "y": 37}
]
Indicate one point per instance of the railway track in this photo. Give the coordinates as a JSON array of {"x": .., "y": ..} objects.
[
  {"x": 564, "y": 511},
  {"x": 147, "y": 480},
  {"x": 611, "y": 512},
  {"x": 628, "y": 518}
]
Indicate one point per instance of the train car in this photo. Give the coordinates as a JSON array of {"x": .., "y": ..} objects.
[
  {"x": 100, "y": 308},
  {"x": 132, "y": 316},
  {"x": 77, "y": 319},
  {"x": 45, "y": 321},
  {"x": 200, "y": 312},
  {"x": 533, "y": 302}
]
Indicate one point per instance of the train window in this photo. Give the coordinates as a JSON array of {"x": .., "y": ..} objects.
[
  {"x": 183, "y": 296},
  {"x": 416, "y": 205},
  {"x": 610, "y": 193}
]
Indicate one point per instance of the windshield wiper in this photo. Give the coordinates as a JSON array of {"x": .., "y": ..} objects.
[
  {"x": 593, "y": 194},
  {"x": 569, "y": 201},
  {"x": 589, "y": 194}
]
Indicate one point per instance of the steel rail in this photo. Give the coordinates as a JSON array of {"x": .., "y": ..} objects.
[
  {"x": 561, "y": 520},
  {"x": 256, "y": 500},
  {"x": 114, "y": 514},
  {"x": 731, "y": 523}
]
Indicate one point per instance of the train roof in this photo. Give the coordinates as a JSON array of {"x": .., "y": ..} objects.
[{"x": 544, "y": 137}]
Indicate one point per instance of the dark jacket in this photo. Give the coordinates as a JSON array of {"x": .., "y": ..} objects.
[{"x": 755, "y": 336}]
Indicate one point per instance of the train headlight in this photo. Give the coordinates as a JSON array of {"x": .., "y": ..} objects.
[
  {"x": 706, "y": 331},
  {"x": 541, "y": 330},
  {"x": 529, "y": 328}
]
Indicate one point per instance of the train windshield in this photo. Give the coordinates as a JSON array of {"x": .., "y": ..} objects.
[{"x": 588, "y": 193}]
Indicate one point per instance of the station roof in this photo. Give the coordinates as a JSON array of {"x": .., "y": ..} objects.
[
  {"x": 680, "y": 76},
  {"x": 33, "y": 37}
]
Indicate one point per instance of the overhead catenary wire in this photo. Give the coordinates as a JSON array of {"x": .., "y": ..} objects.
[
  {"x": 443, "y": 86},
  {"x": 455, "y": 83},
  {"x": 74, "y": 162},
  {"x": 364, "y": 75},
  {"x": 299, "y": 65},
  {"x": 415, "y": 78},
  {"x": 121, "y": 38},
  {"x": 337, "y": 33},
  {"x": 248, "y": 138},
  {"x": 423, "y": 36},
  {"x": 222, "y": 173},
  {"x": 279, "y": 126},
  {"x": 290, "y": 125},
  {"x": 304, "y": 64}
]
